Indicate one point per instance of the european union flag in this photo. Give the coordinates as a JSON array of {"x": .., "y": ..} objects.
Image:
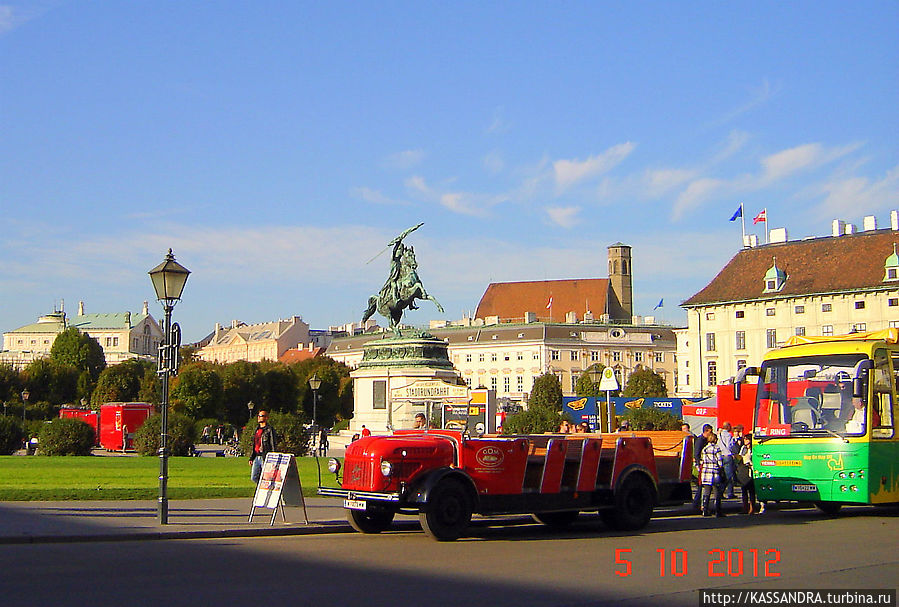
[{"x": 737, "y": 213}]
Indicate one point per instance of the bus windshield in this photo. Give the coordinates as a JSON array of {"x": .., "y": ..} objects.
[{"x": 809, "y": 396}]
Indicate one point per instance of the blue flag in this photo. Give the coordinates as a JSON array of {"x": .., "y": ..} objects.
[
  {"x": 737, "y": 213},
  {"x": 659, "y": 305}
]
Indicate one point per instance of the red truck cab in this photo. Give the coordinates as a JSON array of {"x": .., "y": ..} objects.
[{"x": 445, "y": 476}]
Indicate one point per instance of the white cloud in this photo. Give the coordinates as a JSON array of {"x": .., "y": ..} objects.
[
  {"x": 570, "y": 172},
  {"x": 855, "y": 196},
  {"x": 696, "y": 193},
  {"x": 498, "y": 124},
  {"x": 374, "y": 196},
  {"x": 404, "y": 160},
  {"x": 7, "y": 20},
  {"x": 785, "y": 163},
  {"x": 564, "y": 216},
  {"x": 757, "y": 97},
  {"x": 494, "y": 162}
]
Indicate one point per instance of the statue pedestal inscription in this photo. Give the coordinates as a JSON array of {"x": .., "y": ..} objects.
[{"x": 401, "y": 376}]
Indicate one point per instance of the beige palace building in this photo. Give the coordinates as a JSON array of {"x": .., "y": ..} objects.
[{"x": 842, "y": 283}]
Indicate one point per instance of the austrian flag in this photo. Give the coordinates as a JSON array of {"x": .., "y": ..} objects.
[
  {"x": 549, "y": 304},
  {"x": 763, "y": 216}
]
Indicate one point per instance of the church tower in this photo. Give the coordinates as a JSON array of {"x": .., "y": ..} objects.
[{"x": 621, "y": 289}]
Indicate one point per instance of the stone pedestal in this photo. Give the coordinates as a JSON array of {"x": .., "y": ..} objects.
[{"x": 399, "y": 377}]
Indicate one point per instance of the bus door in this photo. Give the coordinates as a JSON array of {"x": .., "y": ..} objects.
[{"x": 883, "y": 483}]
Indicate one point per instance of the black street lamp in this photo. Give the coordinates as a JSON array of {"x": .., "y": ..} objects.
[
  {"x": 25, "y": 396},
  {"x": 168, "y": 279},
  {"x": 314, "y": 383},
  {"x": 250, "y": 406}
]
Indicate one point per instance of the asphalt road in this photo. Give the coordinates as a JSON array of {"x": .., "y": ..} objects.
[{"x": 515, "y": 565}]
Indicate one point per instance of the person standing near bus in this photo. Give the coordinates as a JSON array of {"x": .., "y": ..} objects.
[
  {"x": 711, "y": 475},
  {"x": 726, "y": 443},
  {"x": 699, "y": 444}
]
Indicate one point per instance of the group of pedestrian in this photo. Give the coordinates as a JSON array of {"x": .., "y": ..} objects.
[
  {"x": 568, "y": 428},
  {"x": 723, "y": 459},
  {"x": 216, "y": 434}
]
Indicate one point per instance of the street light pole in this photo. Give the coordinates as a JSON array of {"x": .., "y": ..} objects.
[
  {"x": 314, "y": 383},
  {"x": 25, "y": 396},
  {"x": 168, "y": 279}
]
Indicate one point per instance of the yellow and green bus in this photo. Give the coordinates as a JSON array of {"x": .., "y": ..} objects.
[{"x": 825, "y": 421}]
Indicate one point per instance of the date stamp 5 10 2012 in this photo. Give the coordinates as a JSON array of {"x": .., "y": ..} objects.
[{"x": 720, "y": 562}]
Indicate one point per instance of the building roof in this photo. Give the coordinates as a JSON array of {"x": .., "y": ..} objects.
[
  {"x": 295, "y": 355},
  {"x": 510, "y": 300},
  {"x": 833, "y": 264},
  {"x": 94, "y": 322}
]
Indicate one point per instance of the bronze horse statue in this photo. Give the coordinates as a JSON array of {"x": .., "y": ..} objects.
[{"x": 403, "y": 286}]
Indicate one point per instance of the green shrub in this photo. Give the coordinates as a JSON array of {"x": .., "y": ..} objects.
[
  {"x": 181, "y": 430},
  {"x": 66, "y": 437},
  {"x": 293, "y": 437},
  {"x": 536, "y": 420},
  {"x": 651, "y": 419},
  {"x": 339, "y": 425},
  {"x": 11, "y": 435}
]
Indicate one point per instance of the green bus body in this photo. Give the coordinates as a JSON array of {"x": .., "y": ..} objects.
[{"x": 824, "y": 422}]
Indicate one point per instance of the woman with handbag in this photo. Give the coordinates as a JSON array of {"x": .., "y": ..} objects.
[{"x": 712, "y": 475}]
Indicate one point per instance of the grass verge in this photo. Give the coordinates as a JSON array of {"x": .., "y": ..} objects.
[{"x": 136, "y": 478}]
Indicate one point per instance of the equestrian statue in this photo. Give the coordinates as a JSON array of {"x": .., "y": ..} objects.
[{"x": 403, "y": 286}]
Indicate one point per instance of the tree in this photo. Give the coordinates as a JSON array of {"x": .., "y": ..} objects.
[
  {"x": 647, "y": 383},
  {"x": 10, "y": 384},
  {"x": 650, "y": 418},
  {"x": 546, "y": 393},
  {"x": 80, "y": 350},
  {"x": 50, "y": 381},
  {"x": 120, "y": 383},
  {"x": 197, "y": 391},
  {"x": 335, "y": 395},
  {"x": 543, "y": 413},
  {"x": 279, "y": 387},
  {"x": 585, "y": 385},
  {"x": 241, "y": 383}
]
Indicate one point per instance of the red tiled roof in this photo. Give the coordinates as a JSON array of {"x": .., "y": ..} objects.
[
  {"x": 510, "y": 300},
  {"x": 294, "y": 355},
  {"x": 819, "y": 265}
]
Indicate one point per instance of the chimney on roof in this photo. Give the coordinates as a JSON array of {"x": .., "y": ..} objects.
[
  {"x": 128, "y": 319},
  {"x": 235, "y": 323},
  {"x": 750, "y": 241},
  {"x": 777, "y": 235},
  {"x": 80, "y": 308},
  {"x": 850, "y": 228},
  {"x": 146, "y": 310},
  {"x": 588, "y": 316},
  {"x": 571, "y": 317},
  {"x": 218, "y": 330},
  {"x": 530, "y": 317},
  {"x": 838, "y": 227},
  {"x": 869, "y": 223}
]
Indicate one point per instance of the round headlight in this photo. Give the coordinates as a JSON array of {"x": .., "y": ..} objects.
[
  {"x": 333, "y": 465},
  {"x": 386, "y": 468}
]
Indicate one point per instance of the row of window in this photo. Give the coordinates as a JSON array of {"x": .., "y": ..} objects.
[
  {"x": 771, "y": 335},
  {"x": 800, "y": 309},
  {"x": 557, "y": 355}
]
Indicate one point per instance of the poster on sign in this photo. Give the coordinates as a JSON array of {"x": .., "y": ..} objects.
[{"x": 279, "y": 486}]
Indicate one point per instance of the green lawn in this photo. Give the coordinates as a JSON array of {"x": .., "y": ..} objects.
[{"x": 97, "y": 478}]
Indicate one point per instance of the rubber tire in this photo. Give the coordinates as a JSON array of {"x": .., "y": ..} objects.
[
  {"x": 634, "y": 501},
  {"x": 556, "y": 520},
  {"x": 829, "y": 508},
  {"x": 447, "y": 512},
  {"x": 374, "y": 521}
]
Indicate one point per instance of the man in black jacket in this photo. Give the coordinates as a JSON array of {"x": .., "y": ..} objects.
[{"x": 264, "y": 440}]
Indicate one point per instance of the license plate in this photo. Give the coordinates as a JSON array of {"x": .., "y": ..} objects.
[
  {"x": 354, "y": 504},
  {"x": 804, "y": 489}
]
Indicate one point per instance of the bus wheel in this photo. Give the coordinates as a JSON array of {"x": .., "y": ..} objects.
[
  {"x": 447, "y": 512},
  {"x": 829, "y": 508},
  {"x": 373, "y": 521},
  {"x": 556, "y": 520},
  {"x": 633, "y": 505}
]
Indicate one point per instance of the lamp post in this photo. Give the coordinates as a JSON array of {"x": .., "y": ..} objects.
[
  {"x": 168, "y": 280},
  {"x": 314, "y": 383},
  {"x": 25, "y": 396}
]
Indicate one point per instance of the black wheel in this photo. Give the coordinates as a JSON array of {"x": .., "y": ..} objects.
[
  {"x": 556, "y": 520},
  {"x": 829, "y": 508},
  {"x": 634, "y": 501},
  {"x": 370, "y": 521},
  {"x": 447, "y": 512}
]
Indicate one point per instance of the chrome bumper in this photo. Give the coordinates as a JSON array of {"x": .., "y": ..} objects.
[{"x": 359, "y": 495}]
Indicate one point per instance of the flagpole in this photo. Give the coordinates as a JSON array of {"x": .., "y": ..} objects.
[
  {"x": 766, "y": 225},
  {"x": 743, "y": 224}
]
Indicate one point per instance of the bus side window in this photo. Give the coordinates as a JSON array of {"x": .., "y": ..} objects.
[{"x": 882, "y": 414}]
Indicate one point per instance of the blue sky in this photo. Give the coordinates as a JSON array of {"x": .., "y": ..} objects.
[{"x": 277, "y": 147}]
